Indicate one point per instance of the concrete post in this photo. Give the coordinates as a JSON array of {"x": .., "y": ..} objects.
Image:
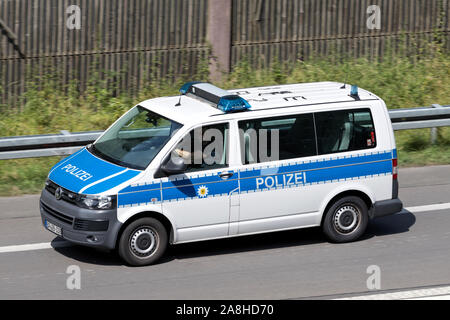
[{"x": 219, "y": 37}]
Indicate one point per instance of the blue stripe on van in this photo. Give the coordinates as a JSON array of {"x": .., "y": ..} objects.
[
  {"x": 353, "y": 171},
  {"x": 111, "y": 182},
  {"x": 139, "y": 198},
  {"x": 143, "y": 187},
  {"x": 192, "y": 191},
  {"x": 263, "y": 178},
  {"x": 327, "y": 163},
  {"x": 313, "y": 176},
  {"x": 195, "y": 179}
]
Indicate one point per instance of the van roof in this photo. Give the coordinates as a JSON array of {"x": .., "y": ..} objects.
[{"x": 194, "y": 109}]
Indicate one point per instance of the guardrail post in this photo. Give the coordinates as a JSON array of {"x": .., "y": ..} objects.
[{"x": 434, "y": 131}]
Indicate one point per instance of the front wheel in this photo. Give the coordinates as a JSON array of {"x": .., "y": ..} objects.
[
  {"x": 143, "y": 242},
  {"x": 346, "y": 220}
]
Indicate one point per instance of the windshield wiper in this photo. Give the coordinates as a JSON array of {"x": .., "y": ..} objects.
[{"x": 103, "y": 156}]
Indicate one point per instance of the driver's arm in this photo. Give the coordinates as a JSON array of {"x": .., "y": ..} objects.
[{"x": 183, "y": 153}]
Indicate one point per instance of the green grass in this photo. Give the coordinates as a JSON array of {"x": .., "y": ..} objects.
[
  {"x": 401, "y": 81},
  {"x": 24, "y": 176},
  {"x": 415, "y": 149}
]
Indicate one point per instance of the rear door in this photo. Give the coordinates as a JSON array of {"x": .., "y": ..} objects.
[
  {"x": 319, "y": 154},
  {"x": 272, "y": 192}
]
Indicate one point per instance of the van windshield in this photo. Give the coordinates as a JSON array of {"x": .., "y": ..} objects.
[{"x": 135, "y": 139}]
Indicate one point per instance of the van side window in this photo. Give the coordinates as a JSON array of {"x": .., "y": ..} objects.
[
  {"x": 347, "y": 130},
  {"x": 204, "y": 148},
  {"x": 294, "y": 133}
]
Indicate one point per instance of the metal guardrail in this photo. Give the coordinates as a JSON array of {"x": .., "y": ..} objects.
[
  {"x": 418, "y": 118},
  {"x": 67, "y": 143},
  {"x": 47, "y": 145}
]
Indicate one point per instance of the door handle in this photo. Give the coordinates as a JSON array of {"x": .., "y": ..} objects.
[{"x": 225, "y": 175}]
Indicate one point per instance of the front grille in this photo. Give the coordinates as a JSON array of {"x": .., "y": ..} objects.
[
  {"x": 56, "y": 214},
  {"x": 89, "y": 225},
  {"x": 66, "y": 195}
]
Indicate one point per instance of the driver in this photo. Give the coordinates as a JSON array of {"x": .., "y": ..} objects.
[{"x": 194, "y": 158}]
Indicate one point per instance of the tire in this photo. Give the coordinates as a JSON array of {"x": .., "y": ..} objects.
[
  {"x": 346, "y": 220},
  {"x": 143, "y": 242}
]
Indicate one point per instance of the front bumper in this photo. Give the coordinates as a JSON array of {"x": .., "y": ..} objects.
[
  {"x": 385, "y": 208},
  {"x": 94, "y": 228}
]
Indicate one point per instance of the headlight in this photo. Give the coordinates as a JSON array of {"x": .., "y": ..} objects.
[{"x": 97, "y": 202}]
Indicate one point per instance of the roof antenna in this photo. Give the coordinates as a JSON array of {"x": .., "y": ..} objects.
[
  {"x": 346, "y": 76},
  {"x": 185, "y": 89},
  {"x": 179, "y": 101}
]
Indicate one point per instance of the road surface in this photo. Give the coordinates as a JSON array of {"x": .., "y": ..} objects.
[{"x": 411, "y": 250}]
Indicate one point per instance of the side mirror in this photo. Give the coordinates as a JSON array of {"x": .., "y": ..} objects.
[{"x": 175, "y": 165}]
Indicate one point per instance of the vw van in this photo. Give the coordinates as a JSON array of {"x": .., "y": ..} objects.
[{"x": 213, "y": 163}]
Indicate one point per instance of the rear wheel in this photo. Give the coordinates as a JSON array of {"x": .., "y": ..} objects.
[
  {"x": 143, "y": 242},
  {"x": 346, "y": 220}
]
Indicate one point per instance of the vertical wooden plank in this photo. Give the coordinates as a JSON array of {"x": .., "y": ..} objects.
[
  {"x": 160, "y": 27},
  {"x": 189, "y": 26},
  {"x": 117, "y": 35},
  {"x": 317, "y": 15},
  {"x": 324, "y": 18},
  {"x": 3, "y": 53},
  {"x": 109, "y": 28},
  {"x": 181, "y": 29},
  {"x": 283, "y": 18},
  {"x": 143, "y": 7}
]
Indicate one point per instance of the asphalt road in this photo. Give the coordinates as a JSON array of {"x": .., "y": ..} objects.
[{"x": 411, "y": 249}]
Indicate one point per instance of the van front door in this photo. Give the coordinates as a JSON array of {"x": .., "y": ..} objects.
[{"x": 199, "y": 199}]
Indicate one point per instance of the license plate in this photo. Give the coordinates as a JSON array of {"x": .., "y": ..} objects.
[{"x": 53, "y": 228}]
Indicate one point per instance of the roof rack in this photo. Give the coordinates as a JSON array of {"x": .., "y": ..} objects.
[
  {"x": 222, "y": 99},
  {"x": 301, "y": 94}
]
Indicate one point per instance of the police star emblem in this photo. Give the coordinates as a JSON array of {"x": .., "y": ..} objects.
[{"x": 202, "y": 191}]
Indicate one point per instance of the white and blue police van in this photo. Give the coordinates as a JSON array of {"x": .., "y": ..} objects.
[{"x": 212, "y": 163}]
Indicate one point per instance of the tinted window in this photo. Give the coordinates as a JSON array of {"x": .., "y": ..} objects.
[
  {"x": 277, "y": 138},
  {"x": 347, "y": 130}
]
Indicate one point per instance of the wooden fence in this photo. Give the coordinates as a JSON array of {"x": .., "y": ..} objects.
[
  {"x": 160, "y": 37},
  {"x": 129, "y": 36},
  {"x": 295, "y": 29}
]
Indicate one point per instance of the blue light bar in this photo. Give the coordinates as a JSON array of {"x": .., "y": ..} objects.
[
  {"x": 224, "y": 101},
  {"x": 185, "y": 88},
  {"x": 233, "y": 103}
]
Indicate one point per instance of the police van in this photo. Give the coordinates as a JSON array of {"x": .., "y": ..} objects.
[{"x": 212, "y": 163}]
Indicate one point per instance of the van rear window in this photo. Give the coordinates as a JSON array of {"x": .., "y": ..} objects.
[
  {"x": 303, "y": 135},
  {"x": 277, "y": 138},
  {"x": 346, "y": 130}
]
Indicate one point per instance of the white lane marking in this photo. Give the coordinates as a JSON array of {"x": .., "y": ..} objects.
[
  {"x": 428, "y": 294},
  {"x": 58, "y": 244},
  {"x": 430, "y": 207},
  {"x": 35, "y": 246}
]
